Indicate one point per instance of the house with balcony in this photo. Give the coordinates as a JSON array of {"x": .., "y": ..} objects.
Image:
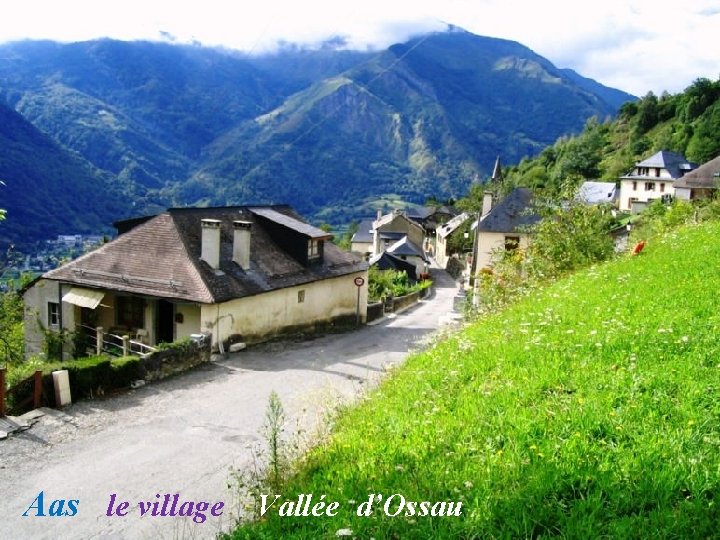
[
  {"x": 243, "y": 273},
  {"x": 652, "y": 178}
]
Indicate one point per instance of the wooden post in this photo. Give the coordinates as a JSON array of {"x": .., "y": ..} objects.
[
  {"x": 37, "y": 394},
  {"x": 99, "y": 340},
  {"x": 2, "y": 392},
  {"x": 126, "y": 345}
]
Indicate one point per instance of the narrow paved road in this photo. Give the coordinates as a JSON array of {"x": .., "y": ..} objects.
[{"x": 186, "y": 434}]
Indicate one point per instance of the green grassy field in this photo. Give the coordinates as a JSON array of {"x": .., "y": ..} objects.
[{"x": 587, "y": 410}]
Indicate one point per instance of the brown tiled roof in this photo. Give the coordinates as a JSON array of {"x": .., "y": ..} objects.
[
  {"x": 706, "y": 176},
  {"x": 161, "y": 258}
]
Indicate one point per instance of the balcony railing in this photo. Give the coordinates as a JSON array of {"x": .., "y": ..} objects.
[{"x": 98, "y": 341}]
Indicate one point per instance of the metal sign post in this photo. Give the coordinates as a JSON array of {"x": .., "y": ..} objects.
[{"x": 359, "y": 282}]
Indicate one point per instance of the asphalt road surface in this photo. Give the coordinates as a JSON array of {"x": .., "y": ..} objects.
[{"x": 186, "y": 435}]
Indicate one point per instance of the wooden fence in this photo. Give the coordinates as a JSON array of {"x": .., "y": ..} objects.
[{"x": 24, "y": 396}]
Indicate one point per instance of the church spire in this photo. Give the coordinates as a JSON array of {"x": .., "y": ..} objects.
[{"x": 496, "y": 177}]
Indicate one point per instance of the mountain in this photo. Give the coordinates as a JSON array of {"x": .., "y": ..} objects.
[
  {"x": 330, "y": 131},
  {"x": 47, "y": 190},
  {"x": 419, "y": 119}
]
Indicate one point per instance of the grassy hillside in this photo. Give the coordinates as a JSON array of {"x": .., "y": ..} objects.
[
  {"x": 587, "y": 410},
  {"x": 687, "y": 122}
]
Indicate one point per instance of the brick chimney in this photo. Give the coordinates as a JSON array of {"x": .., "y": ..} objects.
[
  {"x": 210, "y": 242},
  {"x": 241, "y": 243}
]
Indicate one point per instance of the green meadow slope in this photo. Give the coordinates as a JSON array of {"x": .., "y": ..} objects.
[{"x": 589, "y": 409}]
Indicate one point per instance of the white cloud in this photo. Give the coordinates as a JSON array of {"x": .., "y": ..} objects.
[{"x": 638, "y": 45}]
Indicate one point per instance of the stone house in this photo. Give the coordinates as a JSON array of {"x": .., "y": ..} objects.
[{"x": 236, "y": 273}]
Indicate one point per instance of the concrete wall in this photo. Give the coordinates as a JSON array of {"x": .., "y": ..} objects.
[
  {"x": 490, "y": 242},
  {"x": 260, "y": 317}
]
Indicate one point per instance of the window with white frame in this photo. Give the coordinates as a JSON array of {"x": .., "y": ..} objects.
[{"x": 53, "y": 319}]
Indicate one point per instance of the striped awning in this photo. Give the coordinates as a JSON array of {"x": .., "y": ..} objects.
[{"x": 89, "y": 298}]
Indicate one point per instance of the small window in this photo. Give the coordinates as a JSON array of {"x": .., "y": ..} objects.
[
  {"x": 130, "y": 312},
  {"x": 649, "y": 186},
  {"x": 662, "y": 187},
  {"x": 634, "y": 186},
  {"x": 657, "y": 173},
  {"x": 313, "y": 249},
  {"x": 301, "y": 296},
  {"x": 53, "y": 314},
  {"x": 512, "y": 243}
]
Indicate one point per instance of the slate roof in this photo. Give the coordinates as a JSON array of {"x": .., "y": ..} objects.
[
  {"x": 392, "y": 216},
  {"x": 424, "y": 212},
  {"x": 387, "y": 261},
  {"x": 675, "y": 163},
  {"x": 592, "y": 192},
  {"x": 706, "y": 176},
  {"x": 364, "y": 232},
  {"x": 452, "y": 225},
  {"x": 407, "y": 248},
  {"x": 161, "y": 258},
  {"x": 510, "y": 214}
]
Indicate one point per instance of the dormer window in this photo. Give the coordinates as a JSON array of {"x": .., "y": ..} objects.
[{"x": 313, "y": 249}]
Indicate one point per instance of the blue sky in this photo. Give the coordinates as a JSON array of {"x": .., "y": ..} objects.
[{"x": 637, "y": 46}]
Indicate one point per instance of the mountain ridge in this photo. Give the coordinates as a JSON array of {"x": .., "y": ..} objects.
[{"x": 328, "y": 131}]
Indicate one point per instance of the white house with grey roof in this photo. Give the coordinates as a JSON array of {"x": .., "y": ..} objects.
[
  {"x": 236, "y": 273},
  {"x": 652, "y": 178},
  {"x": 504, "y": 227}
]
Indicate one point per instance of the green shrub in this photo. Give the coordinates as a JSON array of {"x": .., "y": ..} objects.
[{"x": 386, "y": 283}]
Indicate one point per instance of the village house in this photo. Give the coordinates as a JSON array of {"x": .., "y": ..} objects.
[
  {"x": 431, "y": 217},
  {"x": 362, "y": 241},
  {"x": 444, "y": 234},
  {"x": 701, "y": 183},
  {"x": 503, "y": 226},
  {"x": 234, "y": 273},
  {"x": 378, "y": 235},
  {"x": 652, "y": 179}
]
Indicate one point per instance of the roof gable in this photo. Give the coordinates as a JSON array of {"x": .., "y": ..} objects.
[
  {"x": 151, "y": 259},
  {"x": 674, "y": 162}
]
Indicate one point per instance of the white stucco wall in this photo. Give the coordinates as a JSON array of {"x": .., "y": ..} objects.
[
  {"x": 192, "y": 320},
  {"x": 35, "y": 315},
  {"x": 361, "y": 247},
  {"x": 264, "y": 315},
  {"x": 627, "y": 192},
  {"x": 489, "y": 242}
]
